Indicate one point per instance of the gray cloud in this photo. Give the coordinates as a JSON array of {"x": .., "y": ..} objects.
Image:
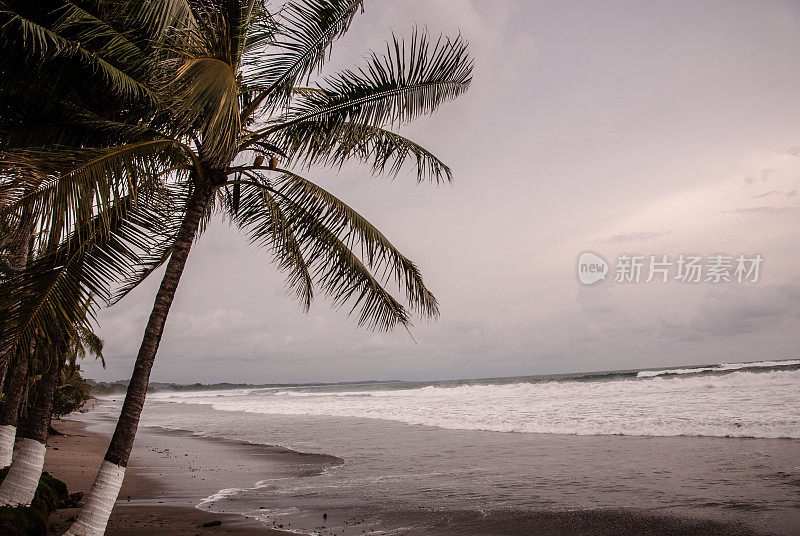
[
  {"x": 582, "y": 114},
  {"x": 735, "y": 310},
  {"x": 766, "y": 194},
  {"x": 625, "y": 238},
  {"x": 766, "y": 211}
]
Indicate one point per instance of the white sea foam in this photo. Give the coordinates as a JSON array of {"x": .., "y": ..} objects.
[
  {"x": 218, "y": 496},
  {"x": 717, "y": 368},
  {"x": 737, "y": 404}
]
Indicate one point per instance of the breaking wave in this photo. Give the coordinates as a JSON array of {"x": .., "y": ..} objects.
[{"x": 759, "y": 399}]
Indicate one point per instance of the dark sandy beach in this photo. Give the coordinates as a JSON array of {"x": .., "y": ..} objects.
[
  {"x": 151, "y": 483},
  {"x": 171, "y": 472}
]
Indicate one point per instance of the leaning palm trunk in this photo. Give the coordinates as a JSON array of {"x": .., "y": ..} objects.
[
  {"x": 9, "y": 413},
  {"x": 3, "y": 371},
  {"x": 18, "y": 371},
  {"x": 19, "y": 486},
  {"x": 94, "y": 515},
  {"x": 224, "y": 89},
  {"x": 22, "y": 479}
]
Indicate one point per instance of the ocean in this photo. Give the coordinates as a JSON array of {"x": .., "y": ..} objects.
[{"x": 718, "y": 442}]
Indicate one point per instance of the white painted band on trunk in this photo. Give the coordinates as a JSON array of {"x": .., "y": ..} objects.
[
  {"x": 22, "y": 479},
  {"x": 7, "y": 435},
  {"x": 94, "y": 516}
]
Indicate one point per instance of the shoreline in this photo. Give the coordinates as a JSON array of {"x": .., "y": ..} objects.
[
  {"x": 154, "y": 497},
  {"x": 172, "y": 472}
]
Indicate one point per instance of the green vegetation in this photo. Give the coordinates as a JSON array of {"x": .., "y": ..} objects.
[
  {"x": 72, "y": 394},
  {"x": 35, "y": 519},
  {"x": 73, "y": 390},
  {"x": 121, "y": 386}
]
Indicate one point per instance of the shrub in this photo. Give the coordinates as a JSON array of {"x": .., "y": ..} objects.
[{"x": 33, "y": 520}]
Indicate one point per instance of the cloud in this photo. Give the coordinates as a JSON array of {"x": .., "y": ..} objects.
[
  {"x": 624, "y": 238},
  {"x": 766, "y": 194},
  {"x": 735, "y": 310},
  {"x": 766, "y": 211}
]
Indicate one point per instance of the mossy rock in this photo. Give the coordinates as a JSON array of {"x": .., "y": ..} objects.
[{"x": 33, "y": 520}]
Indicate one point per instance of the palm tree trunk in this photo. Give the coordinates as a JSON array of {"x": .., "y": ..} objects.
[
  {"x": 22, "y": 479},
  {"x": 94, "y": 516},
  {"x": 19, "y": 486},
  {"x": 3, "y": 371},
  {"x": 18, "y": 372},
  {"x": 9, "y": 413}
]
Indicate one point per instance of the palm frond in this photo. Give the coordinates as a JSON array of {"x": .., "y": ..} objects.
[
  {"x": 41, "y": 41},
  {"x": 161, "y": 240},
  {"x": 378, "y": 252},
  {"x": 251, "y": 28},
  {"x": 103, "y": 39},
  {"x": 67, "y": 123},
  {"x": 157, "y": 17},
  {"x": 64, "y": 184},
  {"x": 328, "y": 238},
  {"x": 391, "y": 89},
  {"x": 305, "y": 31},
  {"x": 344, "y": 278},
  {"x": 50, "y": 297},
  {"x": 90, "y": 342},
  {"x": 260, "y": 33},
  {"x": 327, "y": 143},
  {"x": 319, "y": 254},
  {"x": 204, "y": 93},
  {"x": 265, "y": 224}
]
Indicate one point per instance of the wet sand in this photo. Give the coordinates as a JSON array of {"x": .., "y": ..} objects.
[
  {"x": 162, "y": 484},
  {"x": 171, "y": 472}
]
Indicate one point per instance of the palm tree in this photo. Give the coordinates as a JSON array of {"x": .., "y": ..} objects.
[
  {"x": 237, "y": 123},
  {"x": 9, "y": 410},
  {"x": 73, "y": 390},
  {"x": 62, "y": 90},
  {"x": 19, "y": 486},
  {"x": 57, "y": 92},
  {"x": 22, "y": 480}
]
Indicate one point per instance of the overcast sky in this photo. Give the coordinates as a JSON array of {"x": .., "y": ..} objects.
[{"x": 618, "y": 127}]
